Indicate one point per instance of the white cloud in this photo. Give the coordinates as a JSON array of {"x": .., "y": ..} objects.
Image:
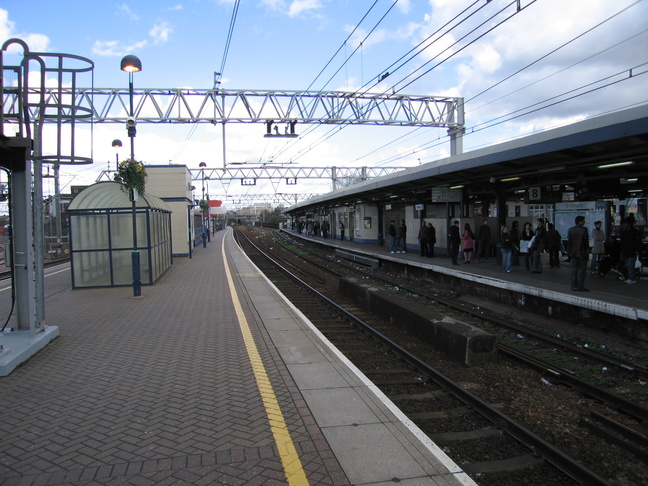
[
  {"x": 125, "y": 11},
  {"x": 115, "y": 48},
  {"x": 35, "y": 42},
  {"x": 275, "y": 5},
  {"x": 297, "y": 7},
  {"x": 6, "y": 25},
  {"x": 160, "y": 31},
  {"x": 404, "y": 6}
]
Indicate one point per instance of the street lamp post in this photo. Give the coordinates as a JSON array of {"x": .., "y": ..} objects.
[
  {"x": 131, "y": 64},
  {"x": 117, "y": 144},
  {"x": 203, "y": 202}
]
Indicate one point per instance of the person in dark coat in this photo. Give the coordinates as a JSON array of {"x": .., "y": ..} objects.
[
  {"x": 455, "y": 241},
  {"x": 392, "y": 236},
  {"x": 630, "y": 241},
  {"x": 431, "y": 239},
  {"x": 538, "y": 246},
  {"x": 422, "y": 237},
  {"x": 578, "y": 251},
  {"x": 525, "y": 240},
  {"x": 553, "y": 246},
  {"x": 506, "y": 245},
  {"x": 402, "y": 237},
  {"x": 515, "y": 239},
  {"x": 483, "y": 241}
]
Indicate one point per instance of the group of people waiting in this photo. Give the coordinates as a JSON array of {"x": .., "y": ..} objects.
[
  {"x": 314, "y": 228},
  {"x": 528, "y": 245}
]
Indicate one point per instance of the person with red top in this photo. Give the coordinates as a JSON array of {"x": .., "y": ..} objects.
[{"x": 468, "y": 243}]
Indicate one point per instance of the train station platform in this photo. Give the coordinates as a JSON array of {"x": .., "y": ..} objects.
[
  {"x": 210, "y": 377},
  {"x": 608, "y": 290},
  {"x": 606, "y": 297}
]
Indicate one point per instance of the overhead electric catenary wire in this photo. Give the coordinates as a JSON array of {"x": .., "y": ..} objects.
[
  {"x": 329, "y": 134},
  {"x": 454, "y": 53},
  {"x": 313, "y": 128},
  {"x": 522, "y": 88},
  {"x": 574, "y": 39},
  {"x": 631, "y": 74},
  {"x": 428, "y": 43},
  {"x": 228, "y": 41},
  {"x": 229, "y": 36},
  {"x": 514, "y": 2},
  {"x": 499, "y": 120},
  {"x": 553, "y": 74}
]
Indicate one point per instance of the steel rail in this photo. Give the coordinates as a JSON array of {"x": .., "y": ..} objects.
[{"x": 553, "y": 455}]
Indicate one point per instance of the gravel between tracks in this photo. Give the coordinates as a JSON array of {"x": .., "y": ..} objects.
[{"x": 551, "y": 411}]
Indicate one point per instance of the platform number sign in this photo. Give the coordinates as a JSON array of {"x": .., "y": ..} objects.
[{"x": 534, "y": 194}]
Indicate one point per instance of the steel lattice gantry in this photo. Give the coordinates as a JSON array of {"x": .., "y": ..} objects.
[
  {"x": 181, "y": 105},
  {"x": 341, "y": 176}
]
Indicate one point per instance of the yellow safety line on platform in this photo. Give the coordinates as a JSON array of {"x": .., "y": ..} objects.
[{"x": 289, "y": 458}]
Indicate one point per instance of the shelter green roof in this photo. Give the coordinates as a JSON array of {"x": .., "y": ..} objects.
[{"x": 109, "y": 196}]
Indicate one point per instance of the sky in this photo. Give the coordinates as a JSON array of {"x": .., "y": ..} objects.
[{"x": 520, "y": 71}]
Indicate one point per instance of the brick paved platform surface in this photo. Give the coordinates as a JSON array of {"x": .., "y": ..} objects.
[{"x": 159, "y": 389}]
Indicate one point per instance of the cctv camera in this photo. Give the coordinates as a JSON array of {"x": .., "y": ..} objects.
[{"x": 130, "y": 122}]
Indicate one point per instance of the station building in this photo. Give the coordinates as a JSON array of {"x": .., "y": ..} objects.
[{"x": 597, "y": 168}]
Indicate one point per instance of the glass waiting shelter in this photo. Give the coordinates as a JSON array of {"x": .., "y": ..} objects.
[{"x": 101, "y": 236}]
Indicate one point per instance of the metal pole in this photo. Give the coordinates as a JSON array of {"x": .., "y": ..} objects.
[
  {"x": 202, "y": 213},
  {"x": 137, "y": 281}
]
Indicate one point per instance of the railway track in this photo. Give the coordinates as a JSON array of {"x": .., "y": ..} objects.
[{"x": 487, "y": 443}]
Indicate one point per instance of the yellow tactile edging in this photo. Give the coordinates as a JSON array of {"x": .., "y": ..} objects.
[{"x": 292, "y": 465}]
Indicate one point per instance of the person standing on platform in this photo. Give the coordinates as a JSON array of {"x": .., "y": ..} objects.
[
  {"x": 325, "y": 228},
  {"x": 392, "y": 236},
  {"x": 598, "y": 246},
  {"x": 506, "y": 244},
  {"x": 341, "y": 230},
  {"x": 483, "y": 241},
  {"x": 431, "y": 239},
  {"x": 402, "y": 237},
  {"x": 468, "y": 243},
  {"x": 422, "y": 237},
  {"x": 525, "y": 239},
  {"x": 578, "y": 251},
  {"x": 455, "y": 241},
  {"x": 538, "y": 245},
  {"x": 515, "y": 239},
  {"x": 630, "y": 240},
  {"x": 553, "y": 246}
]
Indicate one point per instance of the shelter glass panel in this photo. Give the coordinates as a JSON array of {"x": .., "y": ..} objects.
[
  {"x": 121, "y": 230},
  {"x": 90, "y": 232},
  {"x": 91, "y": 269},
  {"x": 122, "y": 267}
]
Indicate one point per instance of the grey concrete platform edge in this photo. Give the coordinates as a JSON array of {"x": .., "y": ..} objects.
[
  {"x": 371, "y": 438},
  {"x": 18, "y": 346},
  {"x": 586, "y": 303},
  {"x": 591, "y": 303}
]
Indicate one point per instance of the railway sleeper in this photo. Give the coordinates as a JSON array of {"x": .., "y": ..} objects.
[
  {"x": 505, "y": 465},
  {"x": 440, "y": 414},
  {"x": 613, "y": 437}
]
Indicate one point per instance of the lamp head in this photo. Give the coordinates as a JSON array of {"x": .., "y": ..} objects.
[
  {"x": 131, "y": 64},
  {"x": 202, "y": 164},
  {"x": 116, "y": 143}
]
